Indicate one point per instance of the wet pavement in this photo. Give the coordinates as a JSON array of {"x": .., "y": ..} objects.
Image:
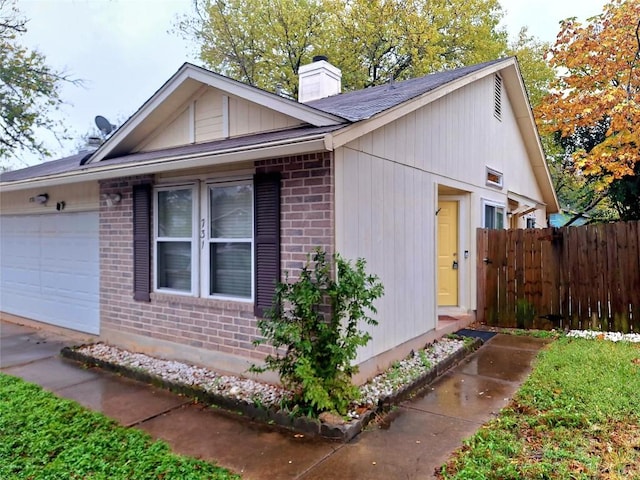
[{"x": 416, "y": 438}]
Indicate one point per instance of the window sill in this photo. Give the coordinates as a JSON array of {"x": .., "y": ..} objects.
[{"x": 168, "y": 298}]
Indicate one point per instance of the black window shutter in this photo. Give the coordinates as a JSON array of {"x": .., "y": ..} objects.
[
  {"x": 142, "y": 242},
  {"x": 267, "y": 239}
]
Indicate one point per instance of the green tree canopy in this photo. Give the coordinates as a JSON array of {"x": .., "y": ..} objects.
[
  {"x": 28, "y": 89},
  {"x": 265, "y": 43}
]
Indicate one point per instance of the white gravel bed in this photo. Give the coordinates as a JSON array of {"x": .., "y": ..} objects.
[
  {"x": 611, "y": 336},
  {"x": 406, "y": 371},
  {"x": 400, "y": 374},
  {"x": 239, "y": 388}
]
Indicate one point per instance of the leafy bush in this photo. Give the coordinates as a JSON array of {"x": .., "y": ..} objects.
[{"x": 314, "y": 326}]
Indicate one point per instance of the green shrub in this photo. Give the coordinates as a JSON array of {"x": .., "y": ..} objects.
[{"x": 314, "y": 326}]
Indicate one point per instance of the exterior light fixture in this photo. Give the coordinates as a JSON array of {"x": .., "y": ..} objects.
[
  {"x": 112, "y": 199},
  {"x": 41, "y": 199}
]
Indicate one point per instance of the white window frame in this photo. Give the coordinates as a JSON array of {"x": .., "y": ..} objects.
[
  {"x": 206, "y": 240},
  {"x": 200, "y": 238},
  {"x": 497, "y": 206},
  {"x": 492, "y": 171},
  {"x": 193, "y": 239}
]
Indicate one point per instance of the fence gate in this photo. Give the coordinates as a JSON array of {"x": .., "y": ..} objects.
[{"x": 585, "y": 277}]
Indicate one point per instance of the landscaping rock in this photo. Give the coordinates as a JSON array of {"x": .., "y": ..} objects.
[{"x": 260, "y": 401}]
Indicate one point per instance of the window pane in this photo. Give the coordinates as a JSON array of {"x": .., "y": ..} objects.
[
  {"x": 230, "y": 269},
  {"x": 499, "y": 218},
  {"x": 489, "y": 216},
  {"x": 175, "y": 213},
  {"x": 231, "y": 211},
  {"x": 174, "y": 265}
]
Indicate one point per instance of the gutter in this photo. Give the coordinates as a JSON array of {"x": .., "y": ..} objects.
[{"x": 280, "y": 148}]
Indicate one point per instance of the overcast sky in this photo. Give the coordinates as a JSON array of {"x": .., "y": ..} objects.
[{"x": 124, "y": 50}]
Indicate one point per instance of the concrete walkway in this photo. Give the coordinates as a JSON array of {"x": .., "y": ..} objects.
[{"x": 415, "y": 440}]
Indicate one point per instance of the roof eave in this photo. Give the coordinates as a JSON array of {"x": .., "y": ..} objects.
[
  {"x": 289, "y": 147},
  {"x": 526, "y": 123}
]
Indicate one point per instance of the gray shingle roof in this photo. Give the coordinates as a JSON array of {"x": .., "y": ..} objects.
[
  {"x": 362, "y": 104},
  {"x": 44, "y": 169},
  {"x": 352, "y": 106}
]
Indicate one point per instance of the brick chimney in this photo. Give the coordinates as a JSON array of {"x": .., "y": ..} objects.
[{"x": 318, "y": 79}]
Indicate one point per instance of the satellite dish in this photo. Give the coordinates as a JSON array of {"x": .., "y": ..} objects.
[{"x": 104, "y": 125}]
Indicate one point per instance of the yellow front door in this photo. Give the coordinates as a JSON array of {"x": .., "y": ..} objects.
[{"x": 447, "y": 253}]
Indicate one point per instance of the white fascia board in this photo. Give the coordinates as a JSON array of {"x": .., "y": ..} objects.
[
  {"x": 312, "y": 143},
  {"x": 138, "y": 117},
  {"x": 187, "y": 71},
  {"x": 517, "y": 93},
  {"x": 381, "y": 119}
]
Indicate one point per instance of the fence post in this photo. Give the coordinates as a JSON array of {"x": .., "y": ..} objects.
[{"x": 481, "y": 277}]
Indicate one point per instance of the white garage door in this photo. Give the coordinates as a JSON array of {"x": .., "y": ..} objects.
[{"x": 49, "y": 269}]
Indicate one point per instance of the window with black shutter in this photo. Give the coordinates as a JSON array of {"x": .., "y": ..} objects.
[
  {"x": 267, "y": 239},
  {"x": 230, "y": 250},
  {"x": 141, "y": 242}
]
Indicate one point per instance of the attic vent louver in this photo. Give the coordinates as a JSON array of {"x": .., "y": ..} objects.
[{"x": 497, "y": 97}]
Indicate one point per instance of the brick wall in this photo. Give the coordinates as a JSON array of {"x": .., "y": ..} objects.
[
  {"x": 223, "y": 326},
  {"x": 306, "y": 211}
]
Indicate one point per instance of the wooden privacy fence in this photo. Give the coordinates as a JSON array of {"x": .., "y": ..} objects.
[{"x": 585, "y": 277}]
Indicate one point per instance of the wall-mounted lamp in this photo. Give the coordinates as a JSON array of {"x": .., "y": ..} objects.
[
  {"x": 41, "y": 199},
  {"x": 112, "y": 199}
]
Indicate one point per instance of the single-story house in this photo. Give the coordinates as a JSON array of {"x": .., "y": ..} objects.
[{"x": 169, "y": 237}]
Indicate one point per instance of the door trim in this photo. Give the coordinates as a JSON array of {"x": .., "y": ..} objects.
[{"x": 464, "y": 245}]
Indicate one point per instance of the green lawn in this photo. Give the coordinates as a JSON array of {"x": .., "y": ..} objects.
[
  {"x": 576, "y": 417},
  {"x": 45, "y": 437}
]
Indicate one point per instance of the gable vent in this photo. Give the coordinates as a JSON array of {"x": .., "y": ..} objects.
[{"x": 497, "y": 97}]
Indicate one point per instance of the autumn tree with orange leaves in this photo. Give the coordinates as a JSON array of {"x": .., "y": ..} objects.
[{"x": 594, "y": 102}]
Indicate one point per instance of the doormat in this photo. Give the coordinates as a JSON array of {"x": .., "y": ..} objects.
[{"x": 481, "y": 334}]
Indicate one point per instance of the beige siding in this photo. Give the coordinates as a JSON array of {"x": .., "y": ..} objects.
[
  {"x": 209, "y": 116},
  {"x": 387, "y": 186},
  {"x": 77, "y": 198},
  {"x": 381, "y": 217},
  {"x": 203, "y": 173},
  {"x": 176, "y": 133},
  {"x": 457, "y": 137},
  {"x": 246, "y": 118}
]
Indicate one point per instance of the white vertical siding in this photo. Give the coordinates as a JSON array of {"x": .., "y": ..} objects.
[
  {"x": 205, "y": 119},
  {"x": 177, "y": 132},
  {"x": 246, "y": 117},
  {"x": 382, "y": 219},
  {"x": 386, "y": 198},
  {"x": 209, "y": 116},
  {"x": 456, "y": 138}
]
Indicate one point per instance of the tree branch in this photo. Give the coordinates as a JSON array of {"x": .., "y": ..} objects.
[
  {"x": 634, "y": 61},
  {"x": 589, "y": 207}
]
